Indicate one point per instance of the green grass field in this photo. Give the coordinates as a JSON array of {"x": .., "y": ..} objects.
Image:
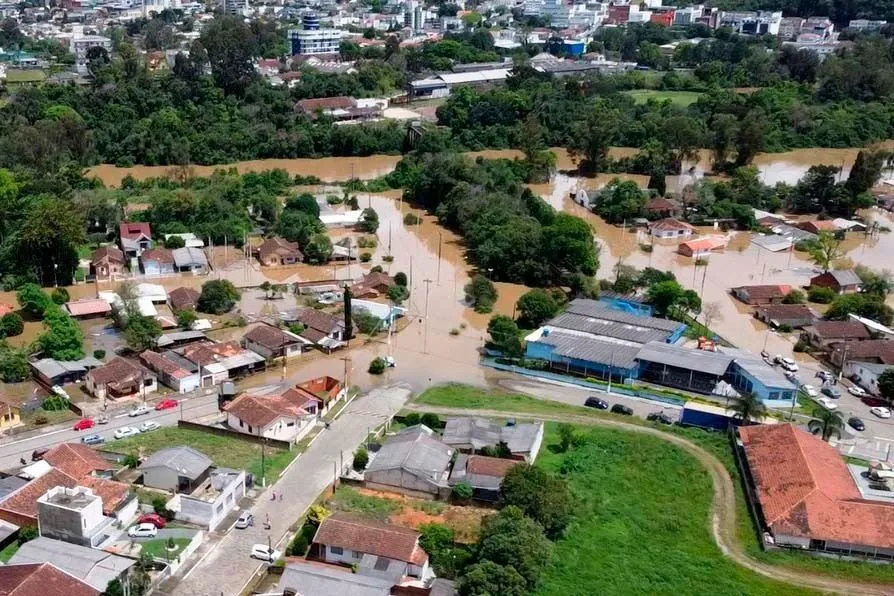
[
  {"x": 7, "y": 553},
  {"x": 228, "y": 452},
  {"x": 678, "y": 98},
  {"x": 349, "y": 500},
  {"x": 158, "y": 547},
  {"x": 641, "y": 522}
]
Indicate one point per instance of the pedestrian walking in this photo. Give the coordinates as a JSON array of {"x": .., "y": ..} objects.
[
  {"x": 273, "y": 495},
  {"x": 280, "y": 497}
]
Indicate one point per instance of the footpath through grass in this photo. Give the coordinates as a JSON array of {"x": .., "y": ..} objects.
[
  {"x": 640, "y": 527},
  {"x": 465, "y": 396},
  {"x": 227, "y": 452}
]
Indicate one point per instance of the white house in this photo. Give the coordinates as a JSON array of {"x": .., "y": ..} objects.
[
  {"x": 285, "y": 416},
  {"x": 209, "y": 505},
  {"x": 866, "y": 374}
]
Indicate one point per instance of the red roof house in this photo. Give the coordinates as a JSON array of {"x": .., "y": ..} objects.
[
  {"x": 345, "y": 538},
  {"x": 755, "y": 295},
  {"x": 806, "y": 497},
  {"x": 88, "y": 308},
  {"x": 41, "y": 579}
]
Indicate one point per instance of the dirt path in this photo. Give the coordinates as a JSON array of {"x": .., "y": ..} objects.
[{"x": 723, "y": 509}]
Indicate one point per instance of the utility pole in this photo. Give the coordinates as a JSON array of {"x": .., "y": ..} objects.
[
  {"x": 439, "y": 257},
  {"x": 263, "y": 462},
  {"x": 345, "y": 359},
  {"x": 427, "y": 283}
]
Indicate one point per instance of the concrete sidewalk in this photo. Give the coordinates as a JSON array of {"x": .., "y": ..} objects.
[{"x": 226, "y": 568}]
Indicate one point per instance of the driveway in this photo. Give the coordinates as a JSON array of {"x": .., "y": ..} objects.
[{"x": 301, "y": 484}]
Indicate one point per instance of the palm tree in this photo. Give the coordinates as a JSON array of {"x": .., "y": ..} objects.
[
  {"x": 831, "y": 422},
  {"x": 749, "y": 407}
]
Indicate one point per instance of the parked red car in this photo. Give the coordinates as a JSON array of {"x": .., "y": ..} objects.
[
  {"x": 872, "y": 402},
  {"x": 84, "y": 424},
  {"x": 166, "y": 404},
  {"x": 154, "y": 519}
]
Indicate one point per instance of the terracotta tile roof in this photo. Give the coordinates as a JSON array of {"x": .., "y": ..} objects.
[
  {"x": 805, "y": 490},
  {"x": 134, "y": 230},
  {"x": 841, "y": 330},
  {"x": 5, "y": 309},
  {"x": 107, "y": 254},
  {"x": 490, "y": 466},
  {"x": 321, "y": 321},
  {"x": 371, "y": 283},
  {"x": 88, "y": 306},
  {"x": 207, "y": 352},
  {"x": 786, "y": 311},
  {"x": 77, "y": 460},
  {"x": 159, "y": 255},
  {"x": 299, "y": 397},
  {"x": 117, "y": 371},
  {"x": 660, "y": 204},
  {"x": 261, "y": 410},
  {"x": 375, "y": 538},
  {"x": 270, "y": 337},
  {"x": 314, "y": 335},
  {"x": 766, "y": 292},
  {"x": 669, "y": 224},
  {"x": 871, "y": 349},
  {"x": 112, "y": 493},
  {"x": 280, "y": 247},
  {"x": 325, "y": 103},
  {"x": 700, "y": 244},
  {"x": 41, "y": 579},
  {"x": 24, "y": 500},
  {"x": 159, "y": 363},
  {"x": 181, "y": 298}
]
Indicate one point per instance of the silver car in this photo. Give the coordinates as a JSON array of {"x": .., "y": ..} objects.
[{"x": 245, "y": 519}]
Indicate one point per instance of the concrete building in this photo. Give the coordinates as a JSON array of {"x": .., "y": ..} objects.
[
  {"x": 866, "y": 374},
  {"x": 751, "y": 23},
  {"x": 176, "y": 469},
  {"x": 470, "y": 435},
  {"x": 285, "y": 416},
  {"x": 49, "y": 372},
  {"x": 81, "y": 44},
  {"x": 72, "y": 515},
  {"x": 209, "y": 504},
  {"x": 236, "y": 7},
  {"x": 866, "y": 25},
  {"x": 89, "y": 565},
  {"x": 313, "y": 40},
  {"x": 483, "y": 474},
  {"x": 412, "y": 462}
]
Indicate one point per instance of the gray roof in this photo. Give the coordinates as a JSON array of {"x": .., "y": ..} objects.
[
  {"x": 129, "y": 244},
  {"x": 93, "y": 566},
  {"x": 606, "y": 328},
  {"x": 712, "y": 363},
  {"x": 442, "y": 587},
  {"x": 792, "y": 232},
  {"x": 52, "y": 368},
  {"x": 187, "y": 461},
  {"x": 482, "y": 481},
  {"x": 169, "y": 339},
  {"x": 10, "y": 484},
  {"x": 416, "y": 450},
  {"x": 846, "y": 277},
  {"x": 189, "y": 257},
  {"x": 308, "y": 579},
  {"x": 599, "y": 310},
  {"x": 754, "y": 365},
  {"x": 482, "y": 432},
  {"x": 591, "y": 349},
  {"x": 875, "y": 367}
]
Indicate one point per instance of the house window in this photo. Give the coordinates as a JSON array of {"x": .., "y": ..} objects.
[
  {"x": 241, "y": 424},
  {"x": 356, "y": 554},
  {"x": 336, "y": 550},
  {"x": 774, "y": 395},
  {"x": 250, "y": 429},
  {"x": 147, "y": 382}
]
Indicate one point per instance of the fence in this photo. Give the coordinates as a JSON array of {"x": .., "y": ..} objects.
[
  {"x": 226, "y": 432},
  {"x": 619, "y": 389}
]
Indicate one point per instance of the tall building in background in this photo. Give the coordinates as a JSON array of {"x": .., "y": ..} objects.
[
  {"x": 238, "y": 7},
  {"x": 156, "y": 6},
  {"x": 311, "y": 39}
]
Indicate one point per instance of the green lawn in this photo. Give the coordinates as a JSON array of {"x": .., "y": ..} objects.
[
  {"x": 678, "y": 98},
  {"x": 641, "y": 522},
  {"x": 7, "y": 553},
  {"x": 158, "y": 547},
  {"x": 454, "y": 395},
  {"x": 229, "y": 452},
  {"x": 349, "y": 500}
]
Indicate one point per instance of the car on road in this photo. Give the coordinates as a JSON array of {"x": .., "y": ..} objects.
[
  {"x": 166, "y": 404},
  {"x": 622, "y": 409},
  {"x": 154, "y": 519},
  {"x": 38, "y": 454},
  {"x": 856, "y": 423},
  {"x": 595, "y": 402},
  {"x": 139, "y": 411},
  {"x": 149, "y": 425},
  {"x": 856, "y": 390},
  {"x": 827, "y": 403},
  {"x": 792, "y": 377},
  {"x": 874, "y": 401},
  {"x": 143, "y": 531},
  {"x": 659, "y": 417},
  {"x": 92, "y": 440},
  {"x": 84, "y": 424},
  {"x": 880, "y": 412},
  {"x": 789, "y": 365},
  {"x": 126, "y": 431},
  {"x": 245, "y": 520},
  {"x": 810, "y": 390},
  {"x": 831, "y": 391},
  {"x": 265, "y": 553},
  {"x": 824, "y": 375}
]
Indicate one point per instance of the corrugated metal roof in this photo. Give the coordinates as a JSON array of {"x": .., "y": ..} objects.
[
  {"x": 712, "y": 363},
  {"x": 600, "y": 310},
  {"x": 613, "y": 329},
  {"x": 415, "y": 450},
  {"x": 755, "y": 366},
  {"x": 599, "y": 351}
]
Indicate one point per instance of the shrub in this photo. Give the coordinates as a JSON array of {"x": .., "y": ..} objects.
[
  {"x": 377, "y": 366},
  {"x": 26, "y": 534},
  {"x": 802, "y": 346},
  {"x": 400, "y": 278},
  {"x": 481, "y": 293},
  {"x": 411, "y": 219},
  {"x": 462, "y": 491},
  {"x": 99, "y": 354},
  {"x": 366, "y": 322},
  {"x": 454, "y": 331},
  {"x": 431, "y": 420},
  {"x": 367, "y": 242},
  {"x": 412, "y": 419},
  {"x": 298, "y": 546},
  {"x": 55, "y": 403},
  {"x": 365, "y": 257},
  {"x": 376, "y": 269},
  {"x": 11, "y": 324},
  {"x": 388, "y": 258},
  {"x": 361, "y": 458},
  {"x": 794, "y": 297},
  {"x": 40, "y": 419},
  {"x": 159, "y": 505},
  {"x": 173, "y": 242},
  {"x": 334, "y": 200},
  {"x": 784, "y": 328},
  {"x": 821, "y": 295},
  {"x": 131, "y": 461},
  {"x": 646, "y": 247},
  {"x": 59, "y": 296}
]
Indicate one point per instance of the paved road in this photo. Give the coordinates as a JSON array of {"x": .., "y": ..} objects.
[
  {"x": 193, "y": 407},
  {"x": 301, "y": 484}
]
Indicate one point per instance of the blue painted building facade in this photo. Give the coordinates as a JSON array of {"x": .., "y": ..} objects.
[{"x": 767, "y": 384}]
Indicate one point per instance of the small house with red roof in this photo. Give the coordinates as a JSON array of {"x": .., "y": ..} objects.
[
  {"x": 135, "y": 237},
  {"x": 758, "y": 295},
  {"x": 670, "y": 228},
  {"x": 284, "y": 414},
  {"x": 484, "y": 474},
  {"x": 107, "y": 262},
  {"x": 41, "y": 579}
]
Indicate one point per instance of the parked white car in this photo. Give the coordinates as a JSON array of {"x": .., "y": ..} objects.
[
  {"x": 880, "y": 412},
  {"x": 856, "y": 390},
  {"x": 149, "y": 425},
  {"x": 126, "y": 431},
  {"x": 143, "y": 531},
  {"x": 139, "y": 411},
  {"x": 789, "y": 365},
  {"x": 265, "y": 553},
  {"x": 827, "y": 403},
  {"x": 810, "y": 390}
]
